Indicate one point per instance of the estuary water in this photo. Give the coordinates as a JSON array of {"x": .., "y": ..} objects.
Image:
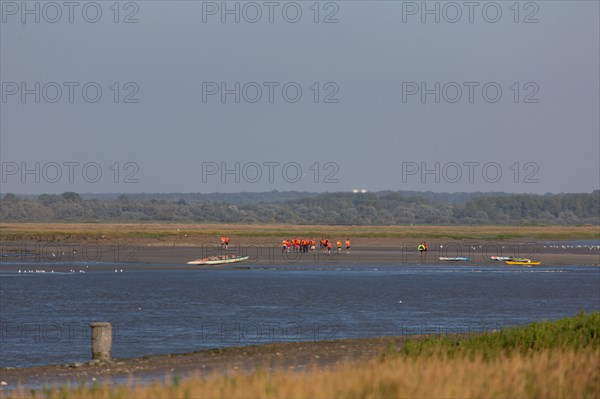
[{"x": 44, "y": 316}]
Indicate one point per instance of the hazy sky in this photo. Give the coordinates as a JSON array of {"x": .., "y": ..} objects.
[{"x": 496, "y": 96}]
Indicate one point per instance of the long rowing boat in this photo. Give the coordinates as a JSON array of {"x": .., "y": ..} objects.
[{"x": 218, "y": 260}]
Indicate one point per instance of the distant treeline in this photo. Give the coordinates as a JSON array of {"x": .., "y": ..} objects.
[
  {"x": 382, "y": 208},
  {"x": 243, "y": 198}
]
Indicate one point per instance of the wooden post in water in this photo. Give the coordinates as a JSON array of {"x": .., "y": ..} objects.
[{"x": 101, "y": 341}]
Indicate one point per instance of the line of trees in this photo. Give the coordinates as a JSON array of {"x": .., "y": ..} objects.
[
  {"x": 384, "y": 208},
  {"x": 244, "y": 198}
]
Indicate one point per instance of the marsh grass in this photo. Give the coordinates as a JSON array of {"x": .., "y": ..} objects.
[
  {"x": 550, "y": 373},
  {"x": 158, "y": 231},
  {"x": 581, "y": 332},
  {"x": 543, "y": 360}
]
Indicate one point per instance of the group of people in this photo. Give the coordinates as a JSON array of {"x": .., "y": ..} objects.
[
  {"x": 300, "y": 245},
  {"x": 297, "y": 245}
]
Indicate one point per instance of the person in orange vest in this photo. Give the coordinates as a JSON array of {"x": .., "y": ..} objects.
[
  {"x": 329, "y": 247},
  {"x": 347, "y": 245},
  {"x": 338, "y": 244},
  {"x": 283, "y": 246}
]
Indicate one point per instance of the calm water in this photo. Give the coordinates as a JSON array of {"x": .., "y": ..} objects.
[{"x": 44, "y": 317}]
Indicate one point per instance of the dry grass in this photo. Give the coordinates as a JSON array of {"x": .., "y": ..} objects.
[
  {"x": 51, "y": 231},
  {"x": 546, "y": 374}
]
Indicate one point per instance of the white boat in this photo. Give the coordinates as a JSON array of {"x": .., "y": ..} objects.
[
  {"x": 501, "y": 258},
  {"x": 218, "y": 260},
  {"x": 456, "y": 259}
]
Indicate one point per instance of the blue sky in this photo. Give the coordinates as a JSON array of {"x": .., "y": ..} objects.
[{"x": 328, "y": 96}]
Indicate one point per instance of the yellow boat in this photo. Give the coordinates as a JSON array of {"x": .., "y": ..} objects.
[{"x": 523, "y": 262}]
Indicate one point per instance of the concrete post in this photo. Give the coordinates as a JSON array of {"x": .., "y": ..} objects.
[{"x": 101, "y": 341}]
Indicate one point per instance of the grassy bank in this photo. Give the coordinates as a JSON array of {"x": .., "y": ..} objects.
[
  {"x": 169, "y": 231},
  {"x": 578, "y": 333},
  {"x": 543, "y": 360}
]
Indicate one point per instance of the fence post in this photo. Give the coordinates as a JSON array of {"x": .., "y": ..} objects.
[{"x": 101, "y": 341}]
